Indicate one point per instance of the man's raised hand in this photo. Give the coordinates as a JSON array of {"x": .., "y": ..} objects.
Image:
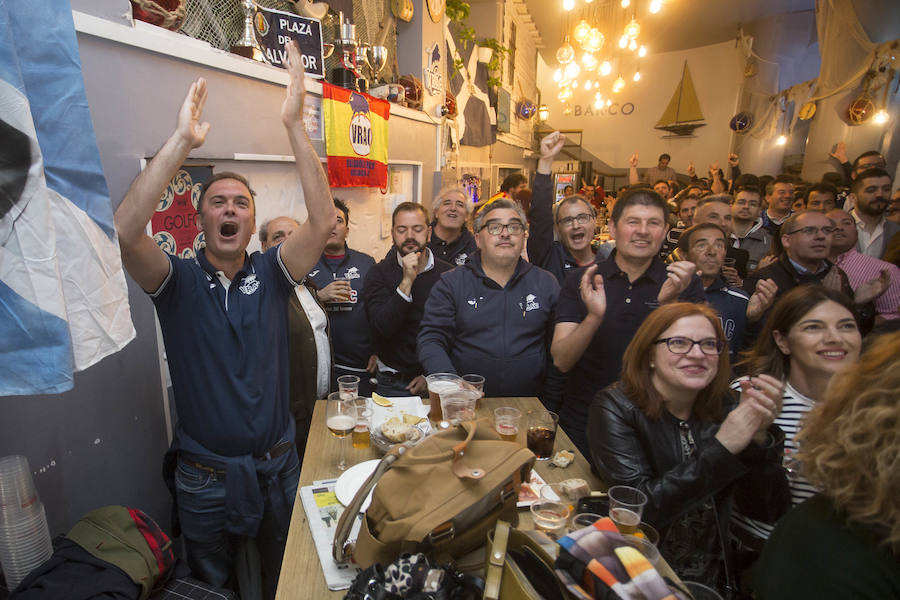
[
  {"x": 552, "y": 144},
  {"x": 292, "y": 108},
  {"x": 189, "y": 127}
]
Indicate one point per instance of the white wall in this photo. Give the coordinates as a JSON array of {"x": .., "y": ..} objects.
[{"x": 717, "y": 73}]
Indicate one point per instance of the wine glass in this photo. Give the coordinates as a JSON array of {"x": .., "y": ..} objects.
[{"x": 340, "y": 417}]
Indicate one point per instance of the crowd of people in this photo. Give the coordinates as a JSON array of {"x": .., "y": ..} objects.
[{"x": 682, "y": 353}]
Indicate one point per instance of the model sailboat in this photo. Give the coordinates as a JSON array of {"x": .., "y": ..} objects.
[{"x": 683, "y": 115}]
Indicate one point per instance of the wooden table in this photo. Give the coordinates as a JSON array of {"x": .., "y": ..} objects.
[{"x": 301, "y": 573}]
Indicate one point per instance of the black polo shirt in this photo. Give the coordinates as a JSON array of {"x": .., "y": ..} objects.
[{"x": 627, "y": 305}]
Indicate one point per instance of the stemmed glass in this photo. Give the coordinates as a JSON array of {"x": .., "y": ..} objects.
[{"x": 340, "y": 417}]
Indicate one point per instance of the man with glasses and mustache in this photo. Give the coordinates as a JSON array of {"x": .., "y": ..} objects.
[
  {"x": 493, "y": 316},
  {"x": 394, "y": 293},
  {"x": 574, "y": 222}
]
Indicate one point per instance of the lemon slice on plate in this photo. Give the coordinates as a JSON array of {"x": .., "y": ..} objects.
[{"x": 381, "y": 400}]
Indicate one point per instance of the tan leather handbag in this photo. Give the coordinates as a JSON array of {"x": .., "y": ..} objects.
[
  {"x": 440, "y": 497},
  {"x": 519, "y": 565}
]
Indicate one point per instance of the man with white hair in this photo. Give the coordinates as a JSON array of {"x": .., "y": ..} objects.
[
  {"x": 450, "y": 240},
  {"x": 494, "y": 315}
]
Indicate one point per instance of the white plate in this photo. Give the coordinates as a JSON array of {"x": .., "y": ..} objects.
[{"x": 352, "y": 479}]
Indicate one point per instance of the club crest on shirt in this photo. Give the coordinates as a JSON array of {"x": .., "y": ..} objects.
[
  {"x": 314, "y": 273},
  {"x": 352, "y": 273},
  {"x": 461, "y": 259},
  {"x": 531, "y": 303},
  {"x": 249, "y": 284},
  {"x": 474, "y": 302}
]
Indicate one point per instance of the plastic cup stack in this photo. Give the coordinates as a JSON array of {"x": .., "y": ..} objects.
[{"x": 24, "y": 535}]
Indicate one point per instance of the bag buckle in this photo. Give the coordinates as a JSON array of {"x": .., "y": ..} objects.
[
  {"x": 444, "y": 531},
  {"x": 508, "y": 490}
]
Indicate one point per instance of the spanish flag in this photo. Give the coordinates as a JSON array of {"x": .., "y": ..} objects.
[{"x": 356, "y": 137}]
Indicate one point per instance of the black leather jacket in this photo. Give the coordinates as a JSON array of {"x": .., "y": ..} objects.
[{"x": 629, "y": 448}]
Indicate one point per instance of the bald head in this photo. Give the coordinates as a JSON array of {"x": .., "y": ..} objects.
[
  {"x": 274, "y": 231},
  {"x": 844, "y": 236}
]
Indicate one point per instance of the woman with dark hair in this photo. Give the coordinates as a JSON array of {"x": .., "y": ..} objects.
[
  {"x": 845, "y": 541},
  {"x": 809, "y": 336},
  {"x": 671, "y": 428}
]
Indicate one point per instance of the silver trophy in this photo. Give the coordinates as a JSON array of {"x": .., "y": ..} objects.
[
  {"x": 376, "y": 59},
  {"x": 247, "y": 46}
]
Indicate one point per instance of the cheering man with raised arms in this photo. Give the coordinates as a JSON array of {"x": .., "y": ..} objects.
[{"x": 224, "y": 321}]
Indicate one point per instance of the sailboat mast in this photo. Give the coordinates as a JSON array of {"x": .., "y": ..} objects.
[{"x": 680, "y": 94}]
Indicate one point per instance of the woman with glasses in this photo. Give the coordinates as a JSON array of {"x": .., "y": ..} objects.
[
  {"x": 810, "y": 335},
  {"x": 672, "y": 428}
]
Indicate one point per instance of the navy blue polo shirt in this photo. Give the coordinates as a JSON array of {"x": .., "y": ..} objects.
[
  {"x": 628, "y": 303},
  {"x": 350, "y": 339},
  {"x": 228, "y": 351},
  {"x": 731, "y": 304}
]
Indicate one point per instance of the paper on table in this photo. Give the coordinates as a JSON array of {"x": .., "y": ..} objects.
[
  {"x": 323, "y": 510},
  {"x": 530, "y": 491},
  {"x": 410, "y": 405}
]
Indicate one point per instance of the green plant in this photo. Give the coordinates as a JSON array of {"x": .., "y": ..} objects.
[{"x": 498, "y": 53}]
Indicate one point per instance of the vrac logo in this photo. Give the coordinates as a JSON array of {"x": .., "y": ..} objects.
[{"x": 360, "y": 126}]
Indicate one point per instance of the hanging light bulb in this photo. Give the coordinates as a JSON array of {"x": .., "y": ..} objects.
[
  {"x": 567, "y": 110},
  {"x": 618, "y": 85},
  {"x": 632, "y": 45},
  {"x": 595, "y": 39},
  {"x": 623, "y": 41},
  {"x": 566, "y": 52},
  {"x": 575, "y": 85},
  {"x": 655, "y": 6},
  {"x": 543, "y": 112},
  {"x": 568, "y": 4},
  {"x": 605, "y": 68},
  {"x": 781, "y": 140},
  {"x": 626, "y": 3},
  {"x": 572, "y": 70},
  {"x": 642, "y": 51},
  {"x": 598, "y": 102},
  {"x": 557, "y": 75},
  {"x": 587, "y": 85},
  {"x": 565, "y": 94},
  {"x": 588, "y": 1},
  {"x": 581, "y": 31},
  {"x": 637, "y": 76},
  {"x": 608, "y": 102},
  {"x": 881, "y": 117},
  {"x": 632, "y": 30},
  {"x": 589, "y": 61}
]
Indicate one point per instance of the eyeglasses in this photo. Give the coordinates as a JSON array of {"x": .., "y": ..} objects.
[
  {"x": 827, "y": 230},
  {"x": 582, "y": 219},
  {"x": 514, "y": 228},
  {"x": 683, "y": 345}
]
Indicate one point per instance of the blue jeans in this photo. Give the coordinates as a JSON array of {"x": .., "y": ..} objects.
[{"x": 210, "y": 549}]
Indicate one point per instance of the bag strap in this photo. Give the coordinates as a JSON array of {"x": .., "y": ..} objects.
[
  {"x": 341, "y": 550},
  {"x": 456, "y": 453},
  {"x": 496, "y": 560}
]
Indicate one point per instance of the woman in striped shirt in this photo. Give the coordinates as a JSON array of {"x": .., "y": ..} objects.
[{"x": 809, "y": 336}]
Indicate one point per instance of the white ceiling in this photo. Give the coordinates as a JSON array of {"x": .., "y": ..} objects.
[{"x": 681, "y": 24}]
